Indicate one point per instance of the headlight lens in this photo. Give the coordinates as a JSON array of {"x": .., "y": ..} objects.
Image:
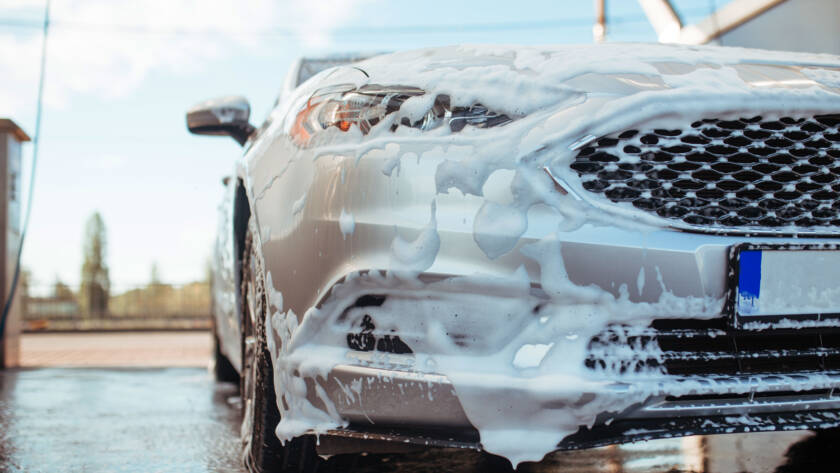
[
  {"x": 346, "y": 106},
  {"x": 457, "y": 118},
  {"x": 364, "y": 107}
]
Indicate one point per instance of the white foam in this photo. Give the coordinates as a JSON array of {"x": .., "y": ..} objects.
[
  {"x": 418, "y": 254},
  {"x": 346, "y": 223}
]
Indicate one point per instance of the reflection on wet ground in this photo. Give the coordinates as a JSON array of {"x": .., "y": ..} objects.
[
  {"x": 178, "y": 419},
  {"x": 132, "y": 420}
]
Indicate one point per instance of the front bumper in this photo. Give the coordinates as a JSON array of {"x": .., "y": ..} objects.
[
  {"x": 428, "y": 396},
  {"x": 736, "y": 404},
  {"x": 430, "y": 355}
]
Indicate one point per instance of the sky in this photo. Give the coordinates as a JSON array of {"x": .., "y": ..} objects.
[{"x": 120, "y": 75}]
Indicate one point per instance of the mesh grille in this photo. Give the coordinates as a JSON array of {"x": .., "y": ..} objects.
[
  {"x": 709, "y": 347},
  {"x": 745, "y": 173}
]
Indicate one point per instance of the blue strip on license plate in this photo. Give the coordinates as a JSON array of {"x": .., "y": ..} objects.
[{"x": 749, "y": 282}]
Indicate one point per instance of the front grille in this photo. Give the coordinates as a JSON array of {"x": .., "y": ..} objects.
[
  {"x": 709, "y": 347},
  {"x": 744, "y": 173}
]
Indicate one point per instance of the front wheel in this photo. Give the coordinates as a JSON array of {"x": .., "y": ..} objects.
[{"x": 261, "y": 450}]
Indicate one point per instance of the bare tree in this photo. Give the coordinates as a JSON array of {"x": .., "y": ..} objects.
[
  {"x": 23, "y": 289},
  {"x": 154, "y": 275},
  {"x": 96, "y": 284}
]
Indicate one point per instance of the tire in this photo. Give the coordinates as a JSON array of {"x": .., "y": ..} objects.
[
  {"x": 261, "y": 449},
  {"x": 223, "y": 369}
]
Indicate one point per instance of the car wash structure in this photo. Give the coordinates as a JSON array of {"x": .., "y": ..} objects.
[
  {"x": 12, "y": 138},
  {"x": 784, "y": 25}
]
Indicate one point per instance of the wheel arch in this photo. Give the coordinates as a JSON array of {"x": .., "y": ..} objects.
[{"x": 241, "y": 217}]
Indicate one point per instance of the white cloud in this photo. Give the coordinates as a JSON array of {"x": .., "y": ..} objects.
[
  {"x": 316, "y": 18},
  {"x": 12, "y": 5},
  {"x": 108, "y": 48}
]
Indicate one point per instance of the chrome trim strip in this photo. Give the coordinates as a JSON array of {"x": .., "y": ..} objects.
[
  {"x": 561, "y": 185},
  {"x": 737, "y": 405},
  {"x": 582, "y": 142}
]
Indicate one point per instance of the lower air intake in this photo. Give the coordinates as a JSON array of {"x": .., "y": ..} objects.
[{"x": 710, "y": 347}]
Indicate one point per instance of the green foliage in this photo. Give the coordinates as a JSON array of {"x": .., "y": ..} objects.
[{"x": 95, "y": 282}]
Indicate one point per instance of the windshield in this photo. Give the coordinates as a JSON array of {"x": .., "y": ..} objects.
[{"x": 311, "y": 66}]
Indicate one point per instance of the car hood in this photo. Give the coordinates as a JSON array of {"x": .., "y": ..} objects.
[{"x": 520, "y": 80}]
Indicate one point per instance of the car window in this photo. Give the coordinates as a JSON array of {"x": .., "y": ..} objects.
[{"x": 310, "y": 67}]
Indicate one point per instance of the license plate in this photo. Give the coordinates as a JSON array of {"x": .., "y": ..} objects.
[{"x": 786, "y": 283}]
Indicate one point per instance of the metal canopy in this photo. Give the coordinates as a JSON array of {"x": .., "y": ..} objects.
[{"x": 670, "y": 29}]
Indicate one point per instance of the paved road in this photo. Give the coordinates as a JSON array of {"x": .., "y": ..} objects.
[
  {"x": 109, "y": 420},
  {"x": 161, "y": 349},
  {"x": 179, "y": 420}
]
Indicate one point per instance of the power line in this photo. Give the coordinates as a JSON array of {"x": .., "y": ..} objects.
[{"x": 82, "y": 27}]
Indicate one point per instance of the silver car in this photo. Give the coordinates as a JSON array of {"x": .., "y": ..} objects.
[{"x": 530, "y": 249}]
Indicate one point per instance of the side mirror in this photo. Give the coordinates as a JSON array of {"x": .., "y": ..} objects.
[{"x": 222, "y": 116}]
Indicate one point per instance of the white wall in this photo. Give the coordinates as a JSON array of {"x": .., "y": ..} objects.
[{"x": 795, "y": 25}]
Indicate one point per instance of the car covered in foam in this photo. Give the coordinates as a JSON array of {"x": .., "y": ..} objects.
[{"x": 529, "y": 249}]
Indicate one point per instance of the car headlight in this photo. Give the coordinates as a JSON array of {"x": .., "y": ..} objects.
[
  {"x": 346, "y": 106},
  {"x": 457, "y": 118}
]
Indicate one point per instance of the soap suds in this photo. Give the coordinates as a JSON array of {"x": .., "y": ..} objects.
[
  {"x": 299, "y": 204},
  {"x": 418, "y": 254},
  {"x": 346, "y": 223}
]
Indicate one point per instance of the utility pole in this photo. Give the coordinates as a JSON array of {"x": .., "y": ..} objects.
[{"x": 599, "y": 30}]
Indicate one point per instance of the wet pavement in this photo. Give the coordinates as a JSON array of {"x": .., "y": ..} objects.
[
  {"x": 180, "y": 420},
  {"x": 109, "y": 420}
]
